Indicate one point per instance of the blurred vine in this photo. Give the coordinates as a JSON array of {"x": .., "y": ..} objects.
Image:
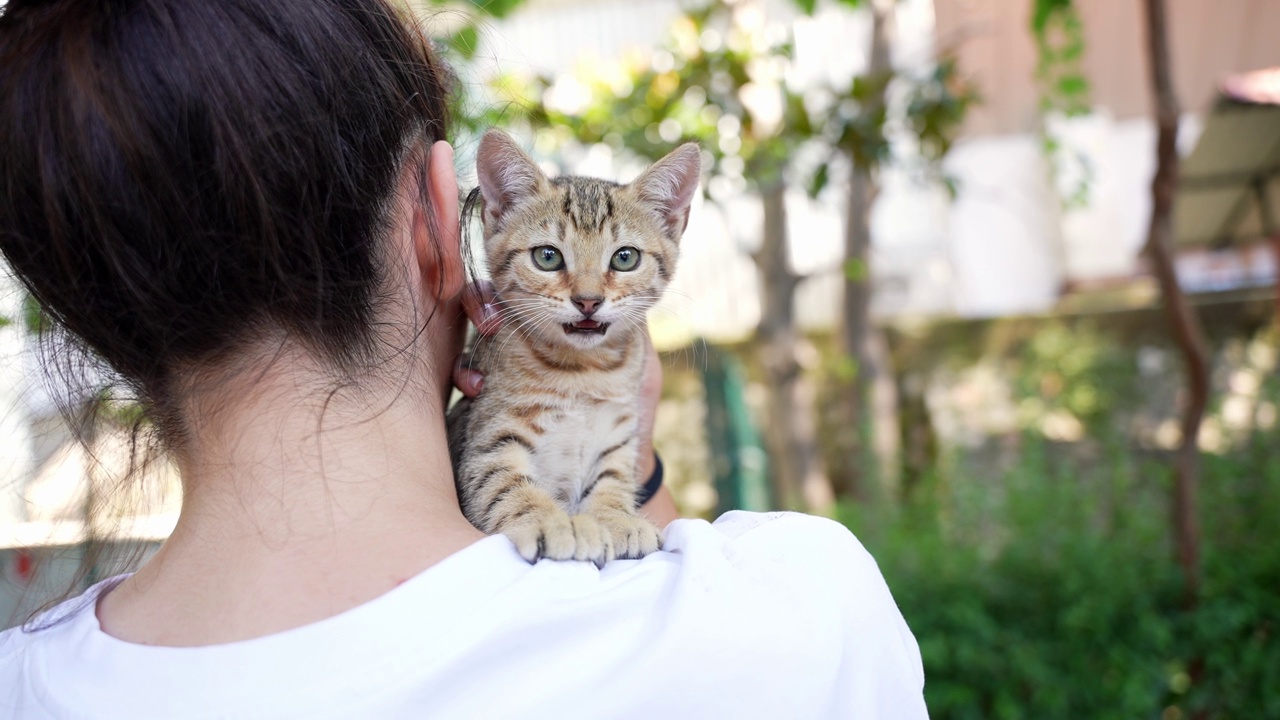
[{"x": 1064, "y": 93}]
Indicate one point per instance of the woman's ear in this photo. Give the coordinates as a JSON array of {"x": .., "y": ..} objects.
[{"x": 436, "y": 239}]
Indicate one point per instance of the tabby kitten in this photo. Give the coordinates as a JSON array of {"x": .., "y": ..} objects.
[{"x": 547, "y": 453}]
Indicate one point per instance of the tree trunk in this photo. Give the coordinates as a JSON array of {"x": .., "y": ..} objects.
[
  {"x": 919, "y": 440},
  {"x": 853, "y": 415},
  {"x": 1183, "y": 321},
  {"x": 1275, "y": 247},
  {"x": 789, "y": 427}
]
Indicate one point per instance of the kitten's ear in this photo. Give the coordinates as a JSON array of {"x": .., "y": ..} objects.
[
  {"x": 668, "y": 187},
  {"x": 507, "y": 175}
]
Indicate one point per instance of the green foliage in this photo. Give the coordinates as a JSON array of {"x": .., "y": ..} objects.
[
  {"x": 821, "y": 177},
  {"x": 1039, "y": 577},
  {"x": 476, "y": 106},
  {"x": 1051, "y": 592},
  {"x": 492, "y": 8},
  {"x": 1078, "y": 370},
  {"x": 937, "y": 108},
  {"x": 857, "y": 116},
  {"x": 855, "y": 270},
  {"x": 697, "y": 88},
  {"x": 859, "y": 120},
  {"x": 34, "y": 318},
  {"x": 844, "y": 369},
  {"x": 1236, "y": 630},
  {"x": 807, "y": 6},
  {"x": 1045, "y": 11},
  {"x": 497, "y": 8},
  {"x": 1059, "y": 36},
  {"x": 722, "y": 86},
  {"x": 465, "y": 42}
]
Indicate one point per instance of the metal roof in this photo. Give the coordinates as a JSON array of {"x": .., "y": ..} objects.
[{"x": 1230, "y": 184}]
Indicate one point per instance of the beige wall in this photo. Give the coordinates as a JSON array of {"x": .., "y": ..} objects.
[{"x": 1209, "y": 38}]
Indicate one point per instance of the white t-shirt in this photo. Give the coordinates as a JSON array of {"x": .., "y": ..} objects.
[{"x": 755, "y": 616}]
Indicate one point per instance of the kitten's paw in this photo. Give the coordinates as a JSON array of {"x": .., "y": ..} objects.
[
  {"x": 633, "y": 536},
  {"x": 556, "y": 536}
]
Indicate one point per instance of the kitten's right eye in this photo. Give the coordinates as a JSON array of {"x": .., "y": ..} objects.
[{"x": 548, "y": 258}]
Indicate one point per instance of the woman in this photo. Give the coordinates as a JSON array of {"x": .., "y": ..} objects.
[{"x": 248, "y": 210}]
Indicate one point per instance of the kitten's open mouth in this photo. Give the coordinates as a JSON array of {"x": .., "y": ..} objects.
[{"x": 586, "y": 327}]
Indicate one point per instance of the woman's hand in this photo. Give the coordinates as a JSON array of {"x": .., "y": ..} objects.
[
  {"x": 661, "y": 508},
  {"x": 478, "y": 299}
]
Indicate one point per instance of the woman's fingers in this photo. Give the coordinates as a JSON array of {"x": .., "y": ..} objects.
[
  {"x": 650, "y": 383},
  {"x": 478, "y": 301},
  {"x": 650, "y": 394},
  {"x": 470, "y": 382}
]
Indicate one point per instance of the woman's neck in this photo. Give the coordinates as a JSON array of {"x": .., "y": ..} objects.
[{"x": 298, "y": 504}]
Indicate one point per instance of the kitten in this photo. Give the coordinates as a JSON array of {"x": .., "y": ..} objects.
[{"x": 547, "y": 452}]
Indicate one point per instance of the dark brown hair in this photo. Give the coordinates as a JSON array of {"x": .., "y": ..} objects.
[{"x": 178, "y": 175}]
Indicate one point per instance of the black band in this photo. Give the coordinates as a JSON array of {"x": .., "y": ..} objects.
[{"x": 653, "y": 485}]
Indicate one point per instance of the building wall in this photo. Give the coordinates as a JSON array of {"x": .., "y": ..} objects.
[{"x": 1208, "y": 39}]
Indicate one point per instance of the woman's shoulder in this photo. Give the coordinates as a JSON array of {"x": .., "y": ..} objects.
[
  {"x": 772, "y": 607},
  {"x": 24, "y": 649},
  {"x": 789, "y": 544},
  {"x": 796, "y": 577},
  {"x": 51, "y": 625},
  {"x": 786, "y": 527}
]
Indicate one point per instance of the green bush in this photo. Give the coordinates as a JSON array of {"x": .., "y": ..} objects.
[{"x": 1051, "y": 592}]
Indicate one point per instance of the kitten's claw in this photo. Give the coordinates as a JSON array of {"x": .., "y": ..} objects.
[
  {"x": 593, "y": 542},
  {"x": 556, "y": 536},
  {"x": 633, "y": 536}
]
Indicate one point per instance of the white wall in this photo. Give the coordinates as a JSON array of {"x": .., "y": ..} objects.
[
  {"x": 1001, "y": 228},
  {"x": 16, "y": 447}
]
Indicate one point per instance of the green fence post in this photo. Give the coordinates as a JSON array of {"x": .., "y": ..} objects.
[{"x": 738, "y": 458}]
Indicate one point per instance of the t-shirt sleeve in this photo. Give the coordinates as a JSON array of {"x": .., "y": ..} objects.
[{"x": 880, "y": 674}]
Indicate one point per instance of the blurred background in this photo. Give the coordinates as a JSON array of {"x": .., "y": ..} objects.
[{"x": 993, "y": 282}]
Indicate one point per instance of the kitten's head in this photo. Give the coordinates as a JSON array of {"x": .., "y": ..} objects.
[{"x": 578, "y": 261}]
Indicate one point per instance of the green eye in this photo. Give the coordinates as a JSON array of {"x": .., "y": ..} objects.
[
  {"x": 625, "y": 259},
  {"x": 548, "y": 258}
]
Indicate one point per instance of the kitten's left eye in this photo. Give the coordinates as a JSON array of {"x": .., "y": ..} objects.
[{"x": 625, "y": 259}]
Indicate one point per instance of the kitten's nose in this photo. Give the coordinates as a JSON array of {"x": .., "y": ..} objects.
[{"x": 587, "y": 305}]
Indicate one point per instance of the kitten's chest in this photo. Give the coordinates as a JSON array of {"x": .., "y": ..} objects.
[{"x": 574, "y": 438}]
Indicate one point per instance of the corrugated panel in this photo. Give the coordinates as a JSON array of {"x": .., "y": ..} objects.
[
  {"x": 1218, "y": 199},
  {"x": 1199, "y": 216},
  {"x": 1237, "y": 139}
]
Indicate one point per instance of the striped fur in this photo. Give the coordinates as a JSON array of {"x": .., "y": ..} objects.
[{"x": 547, "y": 453}]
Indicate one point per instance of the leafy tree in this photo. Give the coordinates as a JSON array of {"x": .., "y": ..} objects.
[
  {"x": 1183, "y": 321},
  {"x": 855, "y": 127},
  {"x": 1065, "y": 89}
]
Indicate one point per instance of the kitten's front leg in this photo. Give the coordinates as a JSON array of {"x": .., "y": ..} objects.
[
  {"x": 610, "y": 498},
  {"x": 503, "y": 498}
]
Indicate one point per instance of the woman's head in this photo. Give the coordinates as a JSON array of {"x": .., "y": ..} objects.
[{"x": 180, "y": 178}]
